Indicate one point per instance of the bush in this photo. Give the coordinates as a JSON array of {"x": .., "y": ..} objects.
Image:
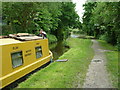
[
  {"x": 103, "y": 37},
  {"x": 51, "y": 38},
  {"x": 109, "y": 38}
]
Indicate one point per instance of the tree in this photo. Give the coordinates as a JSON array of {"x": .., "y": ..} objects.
[
  {"x": 53, "y": 17},
  {"x": 19, "y": 16},
  {"x": 103, "y": 20},
  {"x": 87, "y": 24},
  {"x": 69, "y": 18}
]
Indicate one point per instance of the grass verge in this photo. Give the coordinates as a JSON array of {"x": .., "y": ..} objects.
[
  {"x": 64, "y": 74},
  {"x": 112, "y": 62}
]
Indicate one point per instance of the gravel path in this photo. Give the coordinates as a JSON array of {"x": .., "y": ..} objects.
[{"x": 97, "y": 76}]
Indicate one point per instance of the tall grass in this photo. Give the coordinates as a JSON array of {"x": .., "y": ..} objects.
[{"x": 64, "y": 74}]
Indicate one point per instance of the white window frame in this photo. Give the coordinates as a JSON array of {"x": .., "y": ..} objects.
[
  {"x": 36, "y": 52},
  {"x": 16, "y": 58}
]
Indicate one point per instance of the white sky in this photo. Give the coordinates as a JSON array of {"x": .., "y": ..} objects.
[{"x": 79, "y": 7}]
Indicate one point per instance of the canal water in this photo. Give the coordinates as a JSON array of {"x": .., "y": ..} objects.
[{"x": 58, "y": 49}]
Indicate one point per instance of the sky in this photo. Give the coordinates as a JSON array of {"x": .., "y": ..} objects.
[{"x": 79, "y": 7}]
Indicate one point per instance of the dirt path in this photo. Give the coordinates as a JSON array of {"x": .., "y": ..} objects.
[{"x": 97, "y": 76}]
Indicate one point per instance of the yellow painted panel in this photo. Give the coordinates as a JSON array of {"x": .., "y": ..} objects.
[
  {"x": 16, "y": 75},
  {"x": 10, "y": 74},
  {"x": 0, "y": 65},
  {"x": 6, "y": 41}
]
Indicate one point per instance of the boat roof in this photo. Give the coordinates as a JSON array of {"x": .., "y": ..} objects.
[
  {"x": 18, "y": 38},
  {"x": 6, "y": 41}
]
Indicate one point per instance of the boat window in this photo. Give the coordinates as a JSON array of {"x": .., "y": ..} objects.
[
  {"x": 38, "y": 51},
  {"x": 17, "y": 59}
]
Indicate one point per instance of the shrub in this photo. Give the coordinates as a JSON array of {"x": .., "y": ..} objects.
[
  {"x": 51, "y": 38},
  {"x": 103, "y": 37}
]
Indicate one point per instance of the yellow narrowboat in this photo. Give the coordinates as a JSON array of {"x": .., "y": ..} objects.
[{"x": 20, "y": 56}]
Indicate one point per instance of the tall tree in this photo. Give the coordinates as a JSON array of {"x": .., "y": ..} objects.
[
  {"x": 19, "y": 16},
  {"x": 53, "y": 17},
  {"x": 104, "y": 21},
  {"x": 87, "y": 24},
  {"x": 69, "y": 18}
]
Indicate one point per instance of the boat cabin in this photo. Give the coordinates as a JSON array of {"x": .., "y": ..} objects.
[{"x": 21, "y": 54}]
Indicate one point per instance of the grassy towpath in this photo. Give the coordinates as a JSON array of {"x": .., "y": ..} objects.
[
  {"x": 97, "y": 76},
  {"x": 112, "y": 62},
  {"x": 64, "y": 74}
]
